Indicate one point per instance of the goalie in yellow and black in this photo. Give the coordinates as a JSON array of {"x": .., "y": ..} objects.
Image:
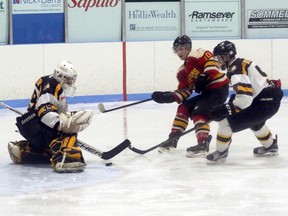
[{"x": 49, "y": 128}]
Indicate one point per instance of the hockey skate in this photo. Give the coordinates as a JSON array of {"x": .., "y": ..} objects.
[
  {"x": 267, "y": 152},
  {"x": 199, "y": 150},
  {"x": 169, "y": 147},
  {"x": 217, "y": 157}
]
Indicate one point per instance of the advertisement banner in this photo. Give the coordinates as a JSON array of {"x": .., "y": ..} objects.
[
  {"x": 213, "y": 19},
  {"x": 152, "y": 20},
  {"x": 38, "y": 21},
  {"x": 37, "y": 6},
  {"x": 94, "y": 21},
  {"x": 266, "y": 20},
  {"x": 4, "y": 21}
]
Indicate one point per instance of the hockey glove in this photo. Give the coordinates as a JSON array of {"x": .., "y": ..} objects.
[
  {"x": 201, "y": 82},
  {"x": 163, "y": 97},
  {"x": 75, "y": 122},
  {"x": 232, "y": 97},
  {"x": 220, "y": 112}
]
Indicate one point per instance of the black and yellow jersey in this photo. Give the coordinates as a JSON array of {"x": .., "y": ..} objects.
[
  {"x": 247, "y": 80},
  {"x": 48, "y": 100}
]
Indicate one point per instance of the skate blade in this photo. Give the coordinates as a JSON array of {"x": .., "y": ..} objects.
[
  {"x": 196, "y": 155},
  {"x": 269, "y": 154},
  {"x": 162, "y": 150},
  {"x": 220, "y": 161}
]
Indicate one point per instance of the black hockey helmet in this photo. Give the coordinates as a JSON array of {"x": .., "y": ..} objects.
[
  {"x": 225, "y": 47},
  {"x": 184, "y": 41}
]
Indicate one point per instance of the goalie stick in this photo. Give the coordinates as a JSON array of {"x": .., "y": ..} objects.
[
  {"x": 10, "y": 108},
  {"x": 104, "y": 155},
  {"x": 103, "y": 110},
  {"x": 139, "y": 151}
]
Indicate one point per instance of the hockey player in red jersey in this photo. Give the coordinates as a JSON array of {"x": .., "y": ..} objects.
[
  {"x": 256, "y": 99},
  {"x": 49, "y": 129},
  {"x": 199, "y": 73}
]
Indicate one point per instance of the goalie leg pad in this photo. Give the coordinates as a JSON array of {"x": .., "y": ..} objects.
[
  {"x": 66, "y": 156},
  {"x": 20, "y": 152},
  {"x": 15, "y": 150}
]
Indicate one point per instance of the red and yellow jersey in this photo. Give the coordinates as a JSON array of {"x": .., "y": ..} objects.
[{"x": 199, "y": 61}]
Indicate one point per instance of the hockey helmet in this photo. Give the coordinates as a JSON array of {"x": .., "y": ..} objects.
[
  {"x": 66, "y": 74},
  {"x": 183, "y": 41},
  {"x": 225, "y": 47}
]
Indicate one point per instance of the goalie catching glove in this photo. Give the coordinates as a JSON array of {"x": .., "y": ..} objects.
[{"x": 74, "y": 122}]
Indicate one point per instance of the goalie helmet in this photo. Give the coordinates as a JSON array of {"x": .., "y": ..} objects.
[
  {"x": 183, "y": 42},
  {"x": 224, "y": 48},
  {"x": 65, "y": 73}
]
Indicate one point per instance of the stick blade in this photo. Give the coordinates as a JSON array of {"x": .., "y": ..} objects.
[
  {"x": 139, "y": 151},
  {"x": 115, "y": 151},
  {"x": 101, "y": 108}
]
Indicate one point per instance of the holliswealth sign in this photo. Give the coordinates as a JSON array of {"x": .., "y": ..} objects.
[{"x": 152, "y": 20}]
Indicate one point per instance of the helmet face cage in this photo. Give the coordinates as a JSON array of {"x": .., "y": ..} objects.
[
  {"x": 67, "y": 78},
  {"x": 183, "y": 42},
  {"x": 66, "y": 74}
]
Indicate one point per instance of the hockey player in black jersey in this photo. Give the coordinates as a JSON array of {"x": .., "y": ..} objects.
[
  {"x": 49, "y": 129},
  {"x": 256, "y": 98}
]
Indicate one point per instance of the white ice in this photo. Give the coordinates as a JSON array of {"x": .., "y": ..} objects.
[{"x": 150, "y": 184}]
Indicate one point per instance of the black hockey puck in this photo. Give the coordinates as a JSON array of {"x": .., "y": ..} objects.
[{"x": 109, "y": 164}]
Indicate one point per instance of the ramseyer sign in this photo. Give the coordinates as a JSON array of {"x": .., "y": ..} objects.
[
  {"x": 212, "y": 19},
  {"x": 212, "y": 16}
]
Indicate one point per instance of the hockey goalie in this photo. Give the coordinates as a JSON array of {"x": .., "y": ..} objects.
[{"x": 50, "y": 131}]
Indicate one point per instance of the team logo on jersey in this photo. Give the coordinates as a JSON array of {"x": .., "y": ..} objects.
[
  {"x": 233, "y": 69},
  {"x": 46, "y": 87},
  {"x": 193, "y": 75}
]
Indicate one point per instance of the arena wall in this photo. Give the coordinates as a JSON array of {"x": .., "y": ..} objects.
[{"x": 106, "y": 71}]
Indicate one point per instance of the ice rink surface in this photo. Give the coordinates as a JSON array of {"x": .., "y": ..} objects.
[{"x": 151, "y": 184}]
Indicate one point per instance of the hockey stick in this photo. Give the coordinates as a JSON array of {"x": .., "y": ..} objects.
[
  {"x": 10, "y": 108},
  {"x": 139, "y": 151},
  {"x": 104, "y": 155},
  {"x": 103, "y": 110}
]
